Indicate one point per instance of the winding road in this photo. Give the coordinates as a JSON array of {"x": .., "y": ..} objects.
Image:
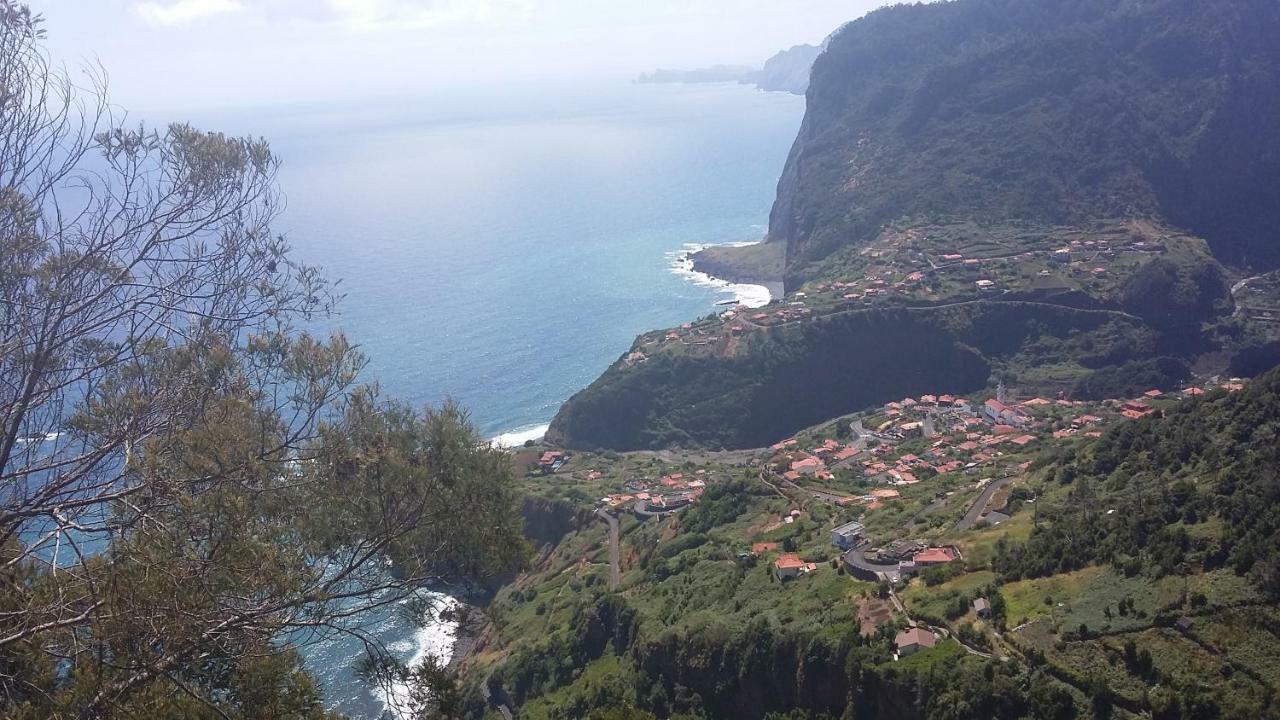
[
  {"x": 980, "y": 504},
  {"x": 857, "y": 558}
]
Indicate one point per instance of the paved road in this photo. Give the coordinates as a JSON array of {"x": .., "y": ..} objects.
[
  {"x": 857, "y": 557},
  {"x": 950, "y": 304},
  {"x": 980, "y": 504},
  {"x": 615, "y": 572}
]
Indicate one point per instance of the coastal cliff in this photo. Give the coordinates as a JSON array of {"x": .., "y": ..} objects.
[
  {"x": 1047, "y": 112},
  {"x": 1100, "y": 156}
]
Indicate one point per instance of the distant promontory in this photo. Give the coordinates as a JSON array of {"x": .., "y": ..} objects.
[{"x": 788, "y": 71}]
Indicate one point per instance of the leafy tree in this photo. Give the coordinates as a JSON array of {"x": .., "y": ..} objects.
[{"x": 191, "y": 487}]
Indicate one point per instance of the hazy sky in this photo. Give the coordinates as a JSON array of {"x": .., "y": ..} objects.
[{"x": 173, "y": 54}]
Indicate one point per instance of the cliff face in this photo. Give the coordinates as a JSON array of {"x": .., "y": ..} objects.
[
  {"x": 794, "y": 377},
  {"x": 1040, "y": 117},
  {"x": 1042, "y": 111},
  {"x": 788, "y": 71}
]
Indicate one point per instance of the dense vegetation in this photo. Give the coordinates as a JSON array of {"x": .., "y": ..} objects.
[
  {"x": 791, "y": 378},
  {"x": 1196, "y": 489},
  {"x": 192, "y": 488},
  {"x": 1046, "y": 112}
]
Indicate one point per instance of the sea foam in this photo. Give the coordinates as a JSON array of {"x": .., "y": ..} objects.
[
  {"x": 434, "y": 640},
  {"x": 519, "y": 436},
  {"x": 747, "y": 295}
]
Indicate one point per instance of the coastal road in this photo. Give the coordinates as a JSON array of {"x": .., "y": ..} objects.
[
  {"x": 953, "y": 304},
  {"x": 980, "y": 504},
  {"x": 615, "y": 571}
]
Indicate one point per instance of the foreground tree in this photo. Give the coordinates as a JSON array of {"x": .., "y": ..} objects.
[{"x": 190, "y": 487}]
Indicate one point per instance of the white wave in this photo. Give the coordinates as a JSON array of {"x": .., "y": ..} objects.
[
  {"x": 752, "y": 296},
  {"x": 518, "y": 437},
  {"x": 436, "y": 640},
  {"x": 46, "y": 437}
]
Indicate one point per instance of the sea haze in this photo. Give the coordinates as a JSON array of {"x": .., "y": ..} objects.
[{"x": 502, "y": 248}]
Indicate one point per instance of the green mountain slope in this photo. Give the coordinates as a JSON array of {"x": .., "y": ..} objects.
[
  {"x": 1134, "y": 574},
  {"x": 1043, "y": 111},
  {"x": 1104, "y": 156}
]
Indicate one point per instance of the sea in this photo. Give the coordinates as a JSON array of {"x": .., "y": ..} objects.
[{"x": 503, "y": 246}]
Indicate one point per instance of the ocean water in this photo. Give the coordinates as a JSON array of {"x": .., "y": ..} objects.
[{"x": 503, "y": 247}]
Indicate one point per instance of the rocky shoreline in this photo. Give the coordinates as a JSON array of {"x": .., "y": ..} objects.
[{"x": 757, "y": 264}]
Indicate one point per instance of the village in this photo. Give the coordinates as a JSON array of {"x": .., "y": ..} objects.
[
  {"x": 938, "y": 266},
  {"x": 885, "y": 487}
]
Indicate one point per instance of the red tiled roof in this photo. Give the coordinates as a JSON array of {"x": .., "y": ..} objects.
[
  {"x": 934, "y": 556},
  {"x": 916, "y": 636},
  {"x": 845, "y": 454},
  {"x": 789, "y": 561}
]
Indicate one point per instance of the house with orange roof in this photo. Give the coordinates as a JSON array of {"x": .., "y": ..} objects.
[
  {"x": 913, "y": 641},
  {"x": 807, "y": 466},
  {"x": 789, "y": 565},
  {"x": 903, "y": 476},
  {"x": 1023, "y": 440},
  {"x": 935, "y": 556}
]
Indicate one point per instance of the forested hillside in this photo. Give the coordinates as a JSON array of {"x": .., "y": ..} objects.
[
  {"x": 1044, "y": 111},
  {"x": 1195, "y": 489}
]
